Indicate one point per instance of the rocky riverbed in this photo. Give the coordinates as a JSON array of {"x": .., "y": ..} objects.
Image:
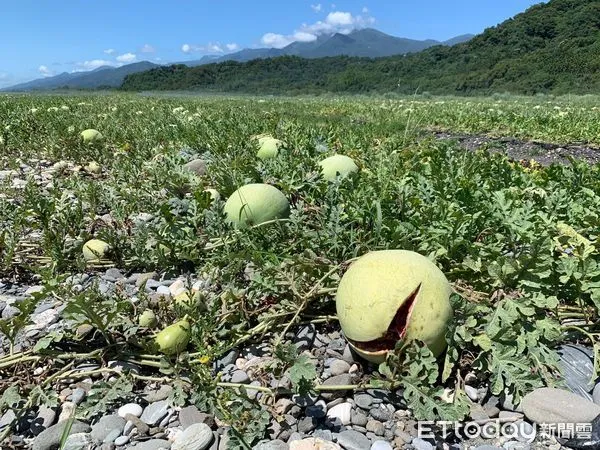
[{"x": 352, "y": 420}]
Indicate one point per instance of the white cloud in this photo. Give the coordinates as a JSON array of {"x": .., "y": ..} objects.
[
  {"x": 339, "y": 18},
  {"x": 4, "y": 76},
  {"x": 45, "y": 71},
  {"x": 211, "y": 47},
  {"x": 316, "y": 8},
  {"x": 109, "y": 51},
  {"x": 93, "y": 64},
  {"x": 335, "y": 22},
  {"x": 303, "y": 36},
  {"x": 365, "y": 10},
  {"x": 147, "y": 48},
  {"x": 276, "y": 40},
  {"x": 126, "y": 58}
]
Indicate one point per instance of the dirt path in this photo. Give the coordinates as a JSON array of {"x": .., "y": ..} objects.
[{"x": 542, "y": 152}]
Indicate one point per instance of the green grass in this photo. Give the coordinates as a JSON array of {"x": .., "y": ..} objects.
[{"x": 494, "y": 227}]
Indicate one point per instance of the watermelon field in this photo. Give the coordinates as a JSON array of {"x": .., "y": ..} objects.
[{"x": 189, "y": 275}]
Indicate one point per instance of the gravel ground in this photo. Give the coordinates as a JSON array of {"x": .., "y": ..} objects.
[
  {"x": 373, "y": 419},
  {"x": 542, "y": 152}
]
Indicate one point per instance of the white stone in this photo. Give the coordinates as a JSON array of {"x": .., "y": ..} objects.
[
  {"x": 381, "y": 445},
  {"x": 177, "y": 287},
  {"x": 163, "y": 290},
  {"x": 342, "y": 411},
  {"x": 130, "y": 408},
  {"x": 195, "y": 437}
]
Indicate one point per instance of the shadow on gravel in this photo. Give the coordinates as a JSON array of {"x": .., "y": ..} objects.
[{"x": 542, "y": 152}]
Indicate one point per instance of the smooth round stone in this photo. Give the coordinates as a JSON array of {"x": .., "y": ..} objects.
[
  {"x": 227, "y": 359},
  {"x": 163, "y": 290},
  {"x": 239, "y": 376},
  {"x": 363, "y": 401},
  {"x": 113, "y": 274},
  {"x": 46, "y": 416},
  {"x": 252, "y": 393},
  {"x": 381, "y": 414},
  {"x": 121, "y": 440},
  {"x": 554, "y": 406},
  {"x": 353, "y": 440},
  {"x": 596, "y": 394},
  {"x": 161, "y": 393},
  {"x": 195, "y": 437},
  {"x": 78, "y": 441},
  {"x": 52, "y": 436},
  {"x": 339, "y": 367},
  {"x": 381, "y": 445},
  {"x": 323, "y": 434},
  {"x": 78, "y": 395},
  {"x": 342, "y": 412},
  {"x": 114, "y": 434},
  {"x": 337, "y": 380},
  {"x": 375, "y": 427},
  {"x": 277, "y": 444},
  {"x": 420, "y": 444},
  {"x": 155, "y": 412},
  {"x": 106, "y": 426},
  {"x": 130, "y": 408},
  {"x": 472, "y": 393},
  {"x": 358, "y": 418}
]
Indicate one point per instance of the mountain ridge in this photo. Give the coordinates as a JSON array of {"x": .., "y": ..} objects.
[
  {"x": 552, "y": 47},
  {"x": 366, "y": 42},
  {"x": 387, "y": 45}
]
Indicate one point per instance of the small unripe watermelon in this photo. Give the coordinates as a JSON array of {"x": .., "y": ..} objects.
[
  {"x": 93, "y": 167},
  {"x": 269, "y": 148},
  {"x": 337, "y": 165},
  {"x": 147, "y": 319},
  {"x": 393, "y": 295},
  {"x": 91, "y": 135},
  {"x": 95, "y": 249},
  {"x": 174, "y": 338},
  {"x": 256, "y": 203},
  {"x": 185, "y": 298},
  {"x": 214, "y": 194}
]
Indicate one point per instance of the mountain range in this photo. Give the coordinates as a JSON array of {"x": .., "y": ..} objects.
[
  {"x": 552, "y": 47},
  {"x": 366, "y": 42}
]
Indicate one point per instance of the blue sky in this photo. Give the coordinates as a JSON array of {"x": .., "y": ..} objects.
[{"x": 44, "y": 37}]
